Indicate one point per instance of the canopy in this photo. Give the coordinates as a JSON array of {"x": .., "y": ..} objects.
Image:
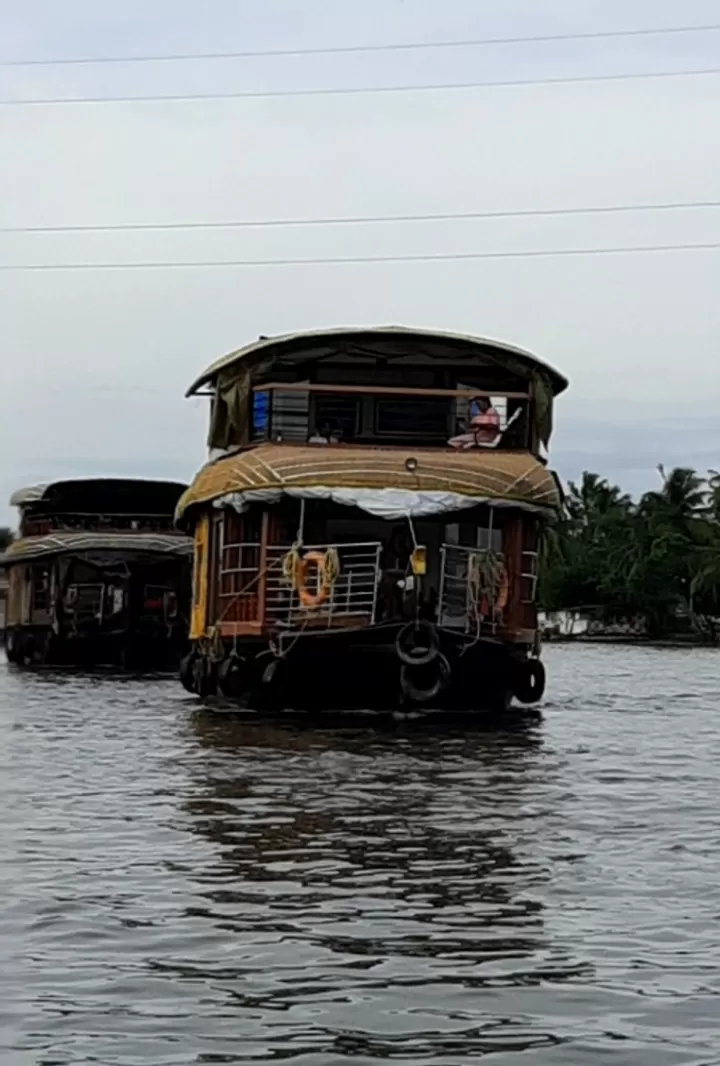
[
  {"x": 31, "y": 548},
  {"x": 317, "y": 344},
  {"x": 382, "y": 481},
  {"x": 131, "y": 496}
]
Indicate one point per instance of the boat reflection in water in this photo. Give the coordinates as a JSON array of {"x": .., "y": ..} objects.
[{"x": 358, "y": 877}]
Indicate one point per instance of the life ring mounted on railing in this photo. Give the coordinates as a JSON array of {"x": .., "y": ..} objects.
[
  {"x": 308, "y": 599},
  {"x": 298, "y": 570}
]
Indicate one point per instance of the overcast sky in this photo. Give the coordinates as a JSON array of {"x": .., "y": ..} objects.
[{"x": 95, "y": 363}]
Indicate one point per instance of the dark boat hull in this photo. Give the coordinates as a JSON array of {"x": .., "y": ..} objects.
[
  {"x": 33, "y": 646},
  {"x": 359, "y": 671}
]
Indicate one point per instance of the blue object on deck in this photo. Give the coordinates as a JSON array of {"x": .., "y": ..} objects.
[{"x": 261, "y": 411}]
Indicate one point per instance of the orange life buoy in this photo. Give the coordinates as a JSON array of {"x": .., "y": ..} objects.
[{"x": 309, "y": 599}]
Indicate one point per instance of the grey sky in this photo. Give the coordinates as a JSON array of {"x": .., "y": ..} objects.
[{"x": 95, "y": 363}]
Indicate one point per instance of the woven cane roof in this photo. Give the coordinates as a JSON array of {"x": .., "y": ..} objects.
[
  {"x": 509, "y": 476},
  {"x": 29, "y": 548}
]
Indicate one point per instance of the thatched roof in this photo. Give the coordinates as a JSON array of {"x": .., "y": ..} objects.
[
  {"x": 30, "y": 548},
  {"x": 492, "y": 475}
]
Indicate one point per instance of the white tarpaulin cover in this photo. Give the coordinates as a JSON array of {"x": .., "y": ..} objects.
[{"x": 392, "y": 504}]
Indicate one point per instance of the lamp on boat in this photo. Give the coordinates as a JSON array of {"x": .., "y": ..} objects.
[{"x": 411, "y": 465}]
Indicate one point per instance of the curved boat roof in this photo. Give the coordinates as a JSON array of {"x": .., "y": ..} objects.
[
  {"x": 49, "y": 491},
  {"x": 28, "y": 549},
  {"x": 322, "y": 340},
  {"x": 509, "y": 477}
]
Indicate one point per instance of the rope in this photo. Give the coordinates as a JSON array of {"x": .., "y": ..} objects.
[
  {"x": 330, "y": 571},
  {"x": 331, "y": 568},
  {"x": 291, "y": 565},
  {"x": 484, "y": 572}
]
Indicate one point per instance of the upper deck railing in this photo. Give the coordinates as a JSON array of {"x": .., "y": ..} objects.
[
  {"x": 32, "y": 525},
  {"x": 392, "y": 415}
]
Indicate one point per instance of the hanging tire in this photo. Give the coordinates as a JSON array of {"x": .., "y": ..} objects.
[
  {"x": 13, "y": 646},
  {"x": 528, "y": 681},
  {"x": 201, "y": 676},
  {"x": 28, "y": 651},
  {"x": 423, "y": 683},
  {"x": 230, "y": 675},
  {"x": 270, "y": 671},
  {"x": 187, "y": 671},
  {"x": 274, "y": 693},
  {"x": 413, "y": 651}
]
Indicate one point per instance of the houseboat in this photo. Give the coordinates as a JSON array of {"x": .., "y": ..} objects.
[
  {"x": 98, "y": 575},
  {"x": 367, "y": 528}
]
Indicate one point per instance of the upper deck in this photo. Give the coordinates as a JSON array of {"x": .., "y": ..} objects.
[
  {"x": 391, "y": 387},
  {"x": 100, "y": 505}
]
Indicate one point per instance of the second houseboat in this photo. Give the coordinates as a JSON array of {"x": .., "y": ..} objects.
[
  {"x": 98, "y": 575},
  {"x": 367, "y": 530}
]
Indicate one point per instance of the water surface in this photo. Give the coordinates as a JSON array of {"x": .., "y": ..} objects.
[{"x": 181, "y": 887}]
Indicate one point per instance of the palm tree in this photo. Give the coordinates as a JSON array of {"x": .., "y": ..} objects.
[{"x": 594, "y": 498}]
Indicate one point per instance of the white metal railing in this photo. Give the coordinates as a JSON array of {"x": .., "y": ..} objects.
[
  {"x": 351, "y": 598},
  {"x": 460, "y": 600}
]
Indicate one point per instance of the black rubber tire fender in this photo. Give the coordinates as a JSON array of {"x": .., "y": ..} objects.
[
  {"x": 13, "y": 643},
  {"x": 528, "y": 681},
  {"x": 409, "y": 652},
  {"x": 413, "y": 692},
  {"x": 273, "y": 672},
  {"x": 28, "y": 651},
  {"x": 186, "y": 671},
  {"x": 201, "y": 676},
  {"x": 229, "y": 674}
]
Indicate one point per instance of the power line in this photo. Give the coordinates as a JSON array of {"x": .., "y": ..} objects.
[
  {"x": 411, "y": 46},
  {"x": 354, "y": 220},
  {"x": 359, "y": 259},
  {"x": 266, "y": 94}
]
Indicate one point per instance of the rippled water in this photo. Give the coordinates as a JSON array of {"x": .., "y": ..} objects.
[{"x": 181, "y": 887}]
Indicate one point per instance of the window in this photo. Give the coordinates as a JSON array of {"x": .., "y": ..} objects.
[
  {"x": 240, "y": 553},
  {"x": 472, "y": 535},
  {"x": 412, "y": 416},
  {"x": 340, "y": 413},
  {"x": 40, "y": 588}
]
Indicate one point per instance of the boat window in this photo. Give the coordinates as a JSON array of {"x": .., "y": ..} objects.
[
  {"x": 290, "y": 415},
  {"x": 340, "y": 413},
  {"x": 471, "y": 535},
  {"x": 154, "y": 597},
  {"x": 412, "y": 416},
  {"x": 240, "y": 554},
  {"x": 40, "y": 588}
]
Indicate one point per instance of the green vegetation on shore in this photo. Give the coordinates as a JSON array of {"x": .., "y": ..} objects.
[{"x": 656, "y": 559}]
